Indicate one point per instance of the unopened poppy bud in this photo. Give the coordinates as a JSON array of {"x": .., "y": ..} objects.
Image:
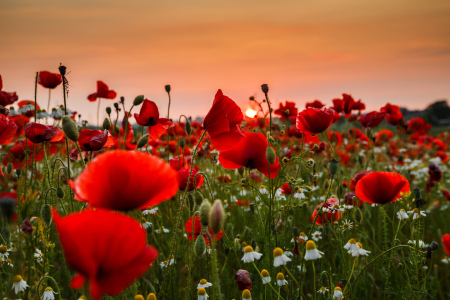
[
  {"x": 315, "y": 147},
  {"x": 340, "y": 191},
  {"x": 188, "y": 127},
  {"x": 433, "y": 246},
  {"x": 200, "y": 246},
  {"x": 296, "y": 231},
  {"x": 9, "y": 168},
  {"x": 315, "y": 177},
  {"x": 167, "y": 88},
  {"x": 333, "y": 167},
  {"x": 116, "y": 106},
  {"x": 106, "y": 124},
  {"x": 198, "y": 198},
  {"x": 45, "y": 214},
  {"x": 326, "y": 184},
  {"x": 265, "y": 88},
  {"x": 241, "y": 170},
  {"x": 358, "y": 215},
  {"x": 252, "y": 207},
  {"x": 18, "y": 172},
  {"x": 108, "y": 110},
  {"x": 270, "y": 155},
  {"x": 138, "y": 100},
  {"x": 217, "y": 216},
  {"x": 251, "y": 98},
  {"x": 204, "y": 212},
  {"x": 69, "y": 128},
  {"x": 62, "y": 70},
  {"x": 182, "y": 143},
  {"x": 151, "y": 296},
  {"x": 143, "y": 141},
  {"x": 122, "y": 99},
  {"x": 60, "y": 192},
  {"x": 253, "y": 244}
]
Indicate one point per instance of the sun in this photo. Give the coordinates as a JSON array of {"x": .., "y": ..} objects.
[{"x": 250, "y": 113}]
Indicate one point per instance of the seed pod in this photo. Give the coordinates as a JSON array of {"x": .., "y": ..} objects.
[
  {"x": 270, "y": 155},
  {"x": 62, "y": 70},
  {"x": 285, "y": 160},
  {"x": 265, "y": 88},
  {"x": 217, "y": 216},
  {"x": 18, "y": 172},
  {"x": 182, "y": 143},
  {"x": 138, "y": 100},
  {"x": 252, "y": 207},
  {"x": 333, "y": 167},
  {"x": 106, "y": 124},
  {"x": 167, "y": 88},
  {"x": 241, "y": 170},
  {"x": 188, "y": 127},
  {"x": 200, "y": 246},
  {"x": 60, "y": 192},
  {"x": 204, "y": 212},
  {"x": 143, "y": 141},
  {"x": 108, "y": 110},
  {"x": 45, "y": 214},
  {"x": 9, "y": 168},
  {"x": 198, "y": 198},
  {"x": 296, "y": 231},
  {"x": 69, "y": 128}
]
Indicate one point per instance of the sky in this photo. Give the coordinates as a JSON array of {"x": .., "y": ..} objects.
[{"x": 378, "y": 51}]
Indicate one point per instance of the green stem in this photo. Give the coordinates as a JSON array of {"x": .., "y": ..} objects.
[
  {"x": 315, "y": 287},
  {"x": 54, "y": 282},
  {"x": 329, "y": 144}
]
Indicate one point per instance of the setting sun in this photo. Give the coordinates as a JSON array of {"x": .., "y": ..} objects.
[{"x": 250, "y": 113}]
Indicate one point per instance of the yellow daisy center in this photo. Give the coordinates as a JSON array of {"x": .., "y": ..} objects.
[
  {"x": 360, "y": 245},
  {"x": 264, "y": 273},
  {"x": 248, "y": 249},
  {"x": 310, "y": 245},
  {"x": 338, "y": 289},
  {"x": 277, "y": 252},
  {"x": 3, "y": 249},
  {"x": 415, "y": 210},
  {"x": 48, "y": 289},
  {"x": 17, "y": 278},
  {"x": 151, "y": 296},
  {"x": 402, "y": 209},
  {"x": 165, "y": 262},
  {"x": 244, "y": 244},
  {"x": 280, "y": 276},
  {"x": 323, "y": 288},
  {"x": 302, "y": 234},
  {"x": 246, "y": 294},
  {"x": 139, "y": 297},
  {"x": 336, "y": 207},
  {"x": 201, "y": 292},
  {"x": 203, "y": 281},
  {"x": 352, "y": 241}
]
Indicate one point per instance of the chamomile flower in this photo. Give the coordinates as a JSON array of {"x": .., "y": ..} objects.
[
  {"x": 4, "y": 252},
  {"x": 360, "y": 251},
  {"x": 347, "y": 225},
  {"x": 82, "y": 297},
  {"x": 9, "y": 262},
  {"x": 204, "y": 284},
  {"x": 337, "y": 293},
  {"x": 299, "y": 195},
  {"x": 316, "y": 236},
  {"x": 250, "y": 255},
  {"x": 311, "y": 252},
  {"x": 302, "y": 269},
  {"x": 38, "y": 255},
  {"x": 263, "y": 190},
  {"x": 265, "y": 276},
  {"x": 19, "y": 285},
  {"x": 288, "y": 253},
  {"x": 152, "y": 211},
  {"x": 201, "y": 294},
  {"x": 48, "y": 294},
  {"x": 279, "y": 257},
  {"x": 351, "y": 246},
  {"x": 280, "y": 279},
  {"x": 337, "y": 208},
  {"x": 445, "y": 260},
  {"x": 323, "y": 290},
  {"x": 139, "y": 297},
  {"x": 402, "y": 215},
  {"x": 417, "y": 213},
  {"x": 421, "y": 243},
  {"x": 246, "y": 295},
  {"x": 151, "y": 296}
]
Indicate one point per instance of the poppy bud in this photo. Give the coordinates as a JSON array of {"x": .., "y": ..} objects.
[
  {"x": 265, "y": 88},
  {"x": 182, "y": 143},
  {"x": 315, "y": 177},
  {"x": 204, "y": 212},
  {"x": 60, "y": 192},
  {"x": 45, "y": 214},
  {"x": 198, "y": 198},
  {"x": 167, "y": 88},
  {"x": 417, "y": 193},
  {"x": 310, "y": 162},
  {"x": 18, "y": 172},
  {"x": 241, "y": 170},
  {"x": 333, "y": 167},
  {"x": 62, "y": 70},
  {"x": 270, "y": 155},
  {"x": 143, "y": 141},
  {"x": 433, "y": 246},
  {"x": 296, "y": 231},
  {"x": 106, "y": 124},
  {"x": 188, "y": 127},
  {"x": 315, "y": 147},
  {"x": 337, "y": 260},
  {"x": 252, "y": 207},
  {"x": 138, "y": 100},
  {"x": 217, "y": 216},
  {"x": 122, "y": 99},
  {"x": 200, "y": 246},
  {"x": 9, "y": 168},
  {"x": 108, "y": 110},
  {"x": 358, "y": 215},
  {"x": 69, "y": 128},
  {"x": 227, "y": 250}
]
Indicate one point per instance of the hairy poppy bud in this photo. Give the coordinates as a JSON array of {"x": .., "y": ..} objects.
[
  {"x": 310, "y": 162},
  {"x": 358, "y": 215},
  {"x": 200, "y": 246},
  {"x": 18, "y": 172},
  {"x": 265, "y": 88},
  {"x": 143, "y": 141},
  {"x": 122, "y": 99},
  {"x": 417, "y": 193},
  {"x": 296, "y": 231},
  {"x": 45, "y": 214},
  {"x": 60, "y": 192},
  {"x": 106, "y": 124},
  {"x": 138, "y": 100},
  {"x": 9, "y": 168},
  {"x": 182, "y": 143},
  {"x": 69, "y": 128},
  {"x": 116, "y": 106},
  {"x": 241, "y": 170},
  {"x": 217, "y": 216},
  {"x": 204, "y": 212},
  {"x": 270, "y": 155},
  {"x": 188, "y": 127},
  {"x": 252, "y": 207},
  {"x": 167, "y": 88},
  {"x": 198, "y": 198},
  {"x": 62, "y": 70},
  {"x": 433, "y": 246},
  {"x": 108, "y": 110},
  {"x": 333, "y": 167}
]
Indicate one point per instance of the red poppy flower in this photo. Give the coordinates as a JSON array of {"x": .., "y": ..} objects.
[
  {"x": 315, "y": 103},
  {"x": 418, "y": 125},
  {"x": 107, "y": 248},
  {"x": 446, "y": 242},
  {"x": 446, "y": 194},
  {"x": 183, "y": 176},
  {"x": 358, "y": 105},
  {"x": 149, "y": 115},
  {"x": 328, "y": 217},
  {"x": 357, "y": 177},
  {"x": 39, "y": 133},
  {"x": 178, "y": 163},
  {"x": 193, "y": 229},
  {"x": 381, "y": 187},
  {"x": 7, "y": 130},
  {"x": 6, "y": 98},
  {"x": 313, "y": 120},
  {"x": 222, "y": 122},
  {"x": 286, "y": 189},
  {"x": 103, "y": 91},
  {"x": 122, "y": 180},
  {"x": 393, "y": 113},
  {"x": 335, "y": 137},
  {"x": 286, "y": 111},
  {"x": 16, "y": 155},
  {"x": 92, "y": 139},
  {"x": 383, "y": 136},
  {"x": 250, "y": 152},
  {"x": 372, "y": 119},
  {"x": 49, "y": 80}
]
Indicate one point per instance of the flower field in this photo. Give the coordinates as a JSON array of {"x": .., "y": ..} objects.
[{"x": 323, "y": 201}]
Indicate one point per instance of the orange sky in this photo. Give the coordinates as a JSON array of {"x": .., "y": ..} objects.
[{"x": 380, "y": 51}]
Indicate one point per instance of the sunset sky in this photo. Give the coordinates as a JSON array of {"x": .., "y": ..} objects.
[{"x": 378, "y": 51}]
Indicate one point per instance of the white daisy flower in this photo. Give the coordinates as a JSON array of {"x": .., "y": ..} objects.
[
  {"x": 417, "y": 213},
  {"x": 445, "y": 260},
  {"x": 263, "y": 190},
  {"x": 347, "y": 225},
  {"x": 351, "y": 246},
  {"x": 201, "y": 294},
  {"x": 48, "y": 294},
  {"x": 280, "y": 279},
  {"x": 279, "y": 258},
  {"x": 421, "y": 243},
  {"x": 250, "y": 255},
  {"x": 323, "y": 290},
  {"x": 38, "y": 255},
  {"x": 288, "y": 253},
  {"x": 19, "y": 285},
  {"x": 360, "y": 251},
  {"x": 402, "y": 215},
  {"x": 246, "y": 295},
  {"x": 265, "y": 276},
  {"x": 316, "y": 236},
  {"x": 204, "y": 284},
  {"x": 152, "y": 211},
  {"x": 311, "y": 252},
  {"x": 337, "y": 293},
  {"x": 302, "y": 269}
]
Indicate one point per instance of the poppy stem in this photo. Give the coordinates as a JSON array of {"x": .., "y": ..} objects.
[
  {"x": 35, "y": 96},
  {"x": 126, "y": 124},
  {"x": 81, "y": 155},
  {"x": 287, "y": 270},
  {"x": 98, "y": 112},
  {"x": 49, "y": 95},
  {"x": 328, "y": 142},
  {"x": 54, "y": 282},
  {"x": 314, "y": 275}
]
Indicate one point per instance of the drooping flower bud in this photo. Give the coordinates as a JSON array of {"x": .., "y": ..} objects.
[
  {"x": 188, "y": 127},
  {"x": 198, "y": 198},
  {"x": 138, "y": 100},
  {"x": 70, "y": 128},
  {"x": 60, "y": 192},
  {"x": 45, "y": 214},
  {"x": 62, "y": 70},
  {"x": 265, "y": 88},
  {"x": 296, "y": 231},
  {"x": 270, "y": 155},
  {"x": 143, "y": 141},
  {"x": 108, "y": 110},
  {"x": 217, "y": 216},
  {"x": 167, "y": 88},
  {"x": 204, "y": 212},
  {"x": 333, "y": 167},
  {"x": 106, "y": 124},
  {"x": 433, "y": 246},
  {"x": 182, "y": 143},
  {"x": 358, "y": 215},
  {"x": 9, "y": 168},
  {"x": 200, "y": 246}
]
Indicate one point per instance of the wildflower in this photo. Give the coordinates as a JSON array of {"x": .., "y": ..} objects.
[
  {"x": 360, "y": 251},
  {"x": 146, "y": 224},
  {"x": 250, "y": 255},
  {"x": 38, "y": 255},
  {"x": 103, "y": 91},
  {"x": 279, "y": 257},
  {"x": 446, "y": 242},
  {"x": 139, "y": 297},
  {"x": 327, "y": 214},
  {"x": 417, "y": 213},
  {"x": 48, "y": 294},
  {"x": 302, "y": 269},
  {"x": 445, "y": 260},
  {"x": 421, "y": 243},
  {"x": 39, "y": 133},
  {"x": 265, "y": 276},
  {"x": 201, "y": 294},
  {"x": 4, "y": 252},
  {"x": 49, "y": 80},
  {"x": 92, "y": 139},
  {"x": 19, "y": 285},
  {"x": 402, "y": 215},
  {"x": 151, "y": 296},
  {"x": 313, "y": 120},
  {"x": 337, "y": 293},
  {"x": 311, "y": 252},
  {"x": 246, "y": 295},
  {"x": 243, "y": 280},
  {"x": 323, "y": 290},
  {"x": 7, "y": 130},
  {"x": 9, "y": 262},
  {"x": 381, "y": 187},
  {"x": 204, "y": 284},
  {"x": 263, "y": 190},
  {"x": 280, "y": 279},
  {"x": 193, "y": 228},
  {"x": 372, "y": 119},
  {"x": 347, "y": 225},
  {"x": 316, "y": 236},
  {"x": 82, "y": 297},
  {"x": 288, "y": 253},
  {"x": 351, "y": 246},
  {"x": 299, "y": 194}
]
